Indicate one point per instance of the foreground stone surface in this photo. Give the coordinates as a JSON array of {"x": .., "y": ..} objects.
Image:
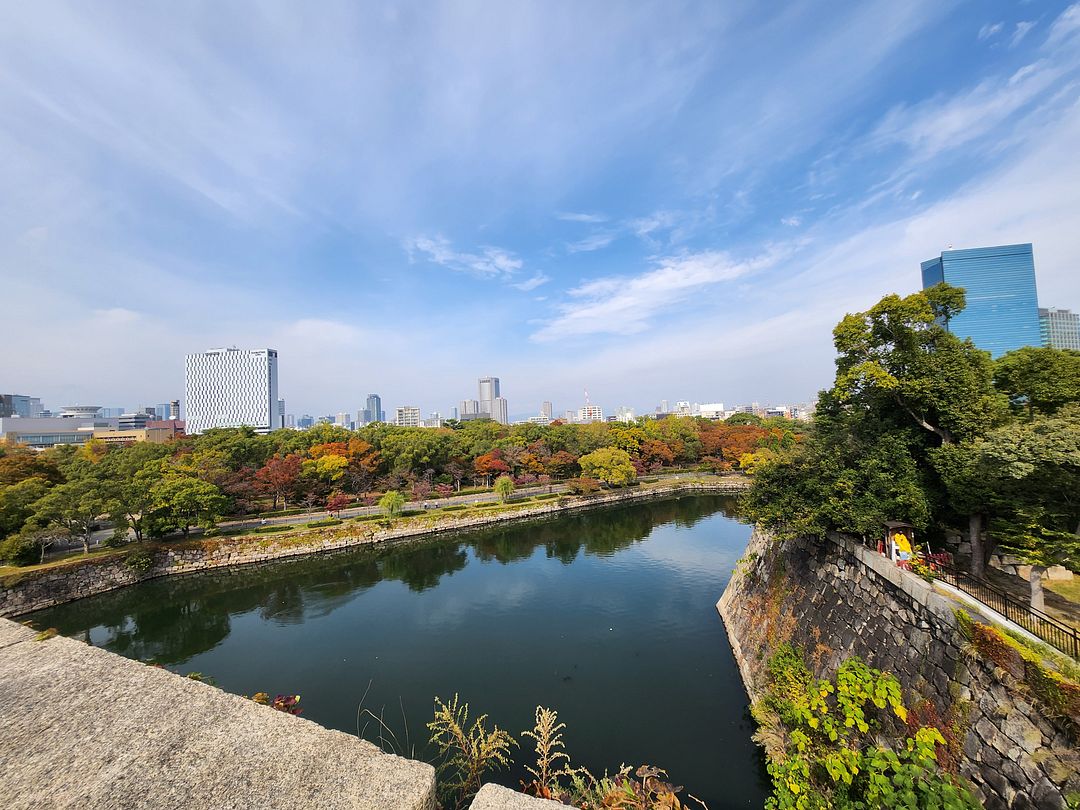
[
  {"x": 81, "y": 727},
  {"x": 835, "y": 599},
  {"x": 495, "y": 797}
]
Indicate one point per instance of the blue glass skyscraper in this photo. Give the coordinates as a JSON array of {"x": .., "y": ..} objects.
[{"x": 1002, "y": 310}]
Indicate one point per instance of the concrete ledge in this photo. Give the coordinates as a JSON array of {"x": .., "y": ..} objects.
[
  {"x": 82, "y": 727},
  {"x": 495, "y": 797}
]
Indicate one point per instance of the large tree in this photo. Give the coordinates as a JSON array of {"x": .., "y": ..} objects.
[
  {"x": 75, "y": 506},
  {"x": 1039, "y": 379}
]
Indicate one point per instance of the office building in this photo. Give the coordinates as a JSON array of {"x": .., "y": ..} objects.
[
  {"x": 545, "y": 410},
  {"x": 489, "y": 392},
  {"x": 134, "y": 421},
  {"x": 174, "y": 410},
  {"x": 624, "y": 414},
  {"x": 712, "y": 410},
  {"x": 407, "y": 416},
  {"x": 469, "y": 407},
  {"x": 21, "y": 405},
  {"x": 500, "y": 411},
  {"x": 539, "y": 420},
  {"x": 231, "y": 388},
  {"x": 342, "y": 420},
  {"x": 80, "y": 411},
  {"x": 433, "y": 421},
  {"x": 306, "y": 421},
  {"x": 1002, "y": 312},
  {"x": 1059, "y": 328},
  {"x": 373, "y": 411},
  {"x": 279, "y": 422}
]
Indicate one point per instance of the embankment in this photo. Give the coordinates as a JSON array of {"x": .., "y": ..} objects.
[
  {"x": 835, "y": 599},
  {"x": 35, "y": 589}
]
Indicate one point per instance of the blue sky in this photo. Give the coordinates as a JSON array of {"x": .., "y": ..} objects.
[{"x": 647, "y": 200}]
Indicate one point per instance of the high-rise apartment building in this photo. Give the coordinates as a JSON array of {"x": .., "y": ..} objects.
[
  {"x": 591, "y": 413},
  {"x": 407, "y": 416},
  {"x": 231, "y": 388},
  {"x": 500, "y": 411},
  {"x": 174, "y": 410},
  {"x": 1059, "y": 328},
  {"x": 545, "y": 409},
  {"x": 1002, "y": 312}
]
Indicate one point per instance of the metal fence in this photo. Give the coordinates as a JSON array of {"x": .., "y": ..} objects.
[{"x": 1036, "y": 622}]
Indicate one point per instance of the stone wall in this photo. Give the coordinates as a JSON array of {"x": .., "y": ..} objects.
[
  {"x": 836, "y": 599},
  {"x": 32, "y": 590}
]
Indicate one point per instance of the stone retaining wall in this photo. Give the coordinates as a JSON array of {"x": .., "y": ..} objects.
[
  {"x": 835, "y": 599},
  {"x": 35, "y": 590}
]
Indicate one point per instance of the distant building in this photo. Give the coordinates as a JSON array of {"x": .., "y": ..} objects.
[
  {"x": 712, "y": 410},
  {"x": 306, "y": 421},
  {"x": 20, "y": 405},
  {"x": 42, "y": 432},
  {"x": 489, "y": 392},
  {"x": 433, "y": 421},
  {"x": 468, "y": 407},
  {"x": 80, "y": 411},
  {"x": 538, "y": 420},
  {"x": 1002, "y": 312},
  {"x": 569, "y": 416},
  {"x": 624, "y": 414},
  {"x": 1059, "y": 328},
  {"x": 407, "y": 416},
  {"x": 545, "y": 410},
  {"x": 231, "y": 388},
  {"x": 591, "y": 413},
  {"x": 133, "y": 421},
  {"x": 500, "y": 410},
  {"x": 174, "y": 410},
  {"x": 373, "y": 411},
  {"x": 280, "y": 422}
]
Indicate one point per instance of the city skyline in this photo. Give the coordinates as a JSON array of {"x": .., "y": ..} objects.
[{"x": 585, "y": 216}]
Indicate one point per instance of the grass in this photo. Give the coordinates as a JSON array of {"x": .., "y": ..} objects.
[{"x": 1070, "y": 589}]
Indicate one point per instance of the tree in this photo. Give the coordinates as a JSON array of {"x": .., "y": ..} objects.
[
  {"x": 490, "y": 464},
  {"x": 1039, "y": 379},
  {"x": 28, "y": 547},
  {"x": 280, "y": 478},
  {"x": 391, "y": 503},
  {"x": 17, "y": 503},
  {"x": 181, "y": 502},
  {"x": 336, "y": 502},
  {"x": 609, "y": 464},
  {"x": 326, "y": 468},
  {"x": 504, "y": 487},
  {"x": 971, "y": 488},
  {"x": 562, "y": 464},
  {"x": 75, "y": 506}
]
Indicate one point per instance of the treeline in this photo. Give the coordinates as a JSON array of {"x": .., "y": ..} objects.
[
  {"x": 924, "y": 427},
  {"x": 152, "y": 490}
]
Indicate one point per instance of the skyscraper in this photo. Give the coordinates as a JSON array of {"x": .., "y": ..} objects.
[
  {"x": 545, "y": 409},
  {"x": 1059, "y": 328},
  {"x": 374, "y": 409},
  {"x": 280, "y": 423},
  {"x": 174, "y": 409},
  {"x": 1002, "y": 311},
  {"x": 231, "y": 388},
  {"x": 500, "y": 411},
  {"x": 489, "y": 392}
]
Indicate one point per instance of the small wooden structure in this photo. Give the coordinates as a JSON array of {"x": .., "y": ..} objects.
[{"x": 892, "y": 529}]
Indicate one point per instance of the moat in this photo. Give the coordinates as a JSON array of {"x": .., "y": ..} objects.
[{"x": 606, "y": 616}]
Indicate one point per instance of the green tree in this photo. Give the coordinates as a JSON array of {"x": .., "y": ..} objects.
[
  {"x": 75, "y": 506},
  {"x": 180, "y": 502},
  {"x": 609, "y": 464},
  {"x": 17, "y": 503},
  {"x": 1039, "y": 379},
  {"x": 391, "y": 503},
  {"x": 504, "y": 487}
]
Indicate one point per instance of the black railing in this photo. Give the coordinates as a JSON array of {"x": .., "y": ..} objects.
[{"x": 1036, "y": 622}]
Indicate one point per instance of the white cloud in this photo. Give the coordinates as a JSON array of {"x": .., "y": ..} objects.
[
  {"x": 115, "y": 316},
  {"x": 596, "y": 241},
  {"x": 1065, "y": 26},
  {"x": 625, "y": 305},
  {"x": 490, "y": 262},
  {"x": 571, "y": 216},
  {"x": 1023, "y": 28},
  {"x": 532, "y": 283},
  {"x": 321, "y": 330},
  {"x": 989, "y": 30},
  {"x": 792, "y": 221}
]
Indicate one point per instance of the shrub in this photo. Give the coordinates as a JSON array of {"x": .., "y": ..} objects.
[
  {"x": 319, "y": 524},
  {"x": 273, "y": 529},
  {"x": 582, "y": 486},
  {"x": 139, "y": 561},
  {"x": 468, "y": 752}
]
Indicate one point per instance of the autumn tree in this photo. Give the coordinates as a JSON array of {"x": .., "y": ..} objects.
[
  {"x": 610, "y": 465},
  {"x": 280, "y": 478},
  {"x": 336, "y": 502},
  {"x": 490, "y": 464}
]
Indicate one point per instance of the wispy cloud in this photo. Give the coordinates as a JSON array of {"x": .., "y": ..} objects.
[
  {"x": 624, "y": 305},
  {"x": 792, "y": 221},
  {"x": 532, "y": 283},
  {"x": 1065, "y": 26},
  {"x": 989, "y": 30},
  {"x": 571, "y": 216},
  {"x": 595, "y": 241},
  {"x": 1023, "y": 28},
  {"x": 490, "y": 262}
]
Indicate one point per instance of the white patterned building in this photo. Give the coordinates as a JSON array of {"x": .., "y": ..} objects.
[{"x": 232, "y": 388}]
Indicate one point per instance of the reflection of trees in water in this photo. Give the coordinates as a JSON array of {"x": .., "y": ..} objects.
[
  {"x": 171, "y": 620},
  {"x": 422, "y": 568}
]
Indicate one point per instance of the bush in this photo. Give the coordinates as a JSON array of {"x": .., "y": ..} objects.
[
  {"x": 582, "y": 486},
  {"x": 273, "y": 529},
  {"x": 319, "y": 524},
  {"x": 139, "y": 561},
  {"x": 20, "y": 549}
]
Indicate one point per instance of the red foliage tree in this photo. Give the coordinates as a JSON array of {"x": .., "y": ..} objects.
[
  {"x": 279, "y": 478},
  {"x": 336, "y": 502}
]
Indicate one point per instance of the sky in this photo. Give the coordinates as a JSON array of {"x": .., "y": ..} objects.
[{"x": 670, "y": 200}]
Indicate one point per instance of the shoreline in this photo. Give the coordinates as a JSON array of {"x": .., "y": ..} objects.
[{"x": 84, "y": 577}]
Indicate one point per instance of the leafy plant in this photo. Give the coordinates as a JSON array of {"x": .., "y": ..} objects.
[
  {"x": 547, "y": 735},
  {"x": 139, "y": 561},
  {"x": 467, "y": 751},
  {"x": 826, "y": 742}
]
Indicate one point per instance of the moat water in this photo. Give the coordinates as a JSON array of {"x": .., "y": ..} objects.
[{"x": 608, "y": 617}]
